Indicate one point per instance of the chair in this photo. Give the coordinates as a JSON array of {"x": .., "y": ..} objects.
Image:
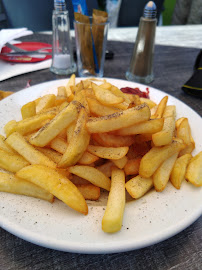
[
  {"x": 36, "y": 15},
  {"x": 131, "y": 11}
]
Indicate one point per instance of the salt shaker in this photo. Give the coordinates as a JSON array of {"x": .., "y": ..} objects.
[
  {"x": 62, "y": 56},
  {"x": 141, "y": 65}
]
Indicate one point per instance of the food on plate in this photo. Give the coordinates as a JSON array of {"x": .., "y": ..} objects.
[
  {"x": 55, "y": 183},
  {"x": 4, "y": 94},
  {"x": 113, "y": 216},
  {"x": 12, "y": 184},
  {"x": 92, "y": 139},
  {"x": 194, "y": 170}
]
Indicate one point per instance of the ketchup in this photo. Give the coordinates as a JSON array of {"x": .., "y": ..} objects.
[{"x": 136, "y": 91}]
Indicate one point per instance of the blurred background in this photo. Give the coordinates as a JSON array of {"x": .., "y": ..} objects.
[{"x": 36, "y": 14}]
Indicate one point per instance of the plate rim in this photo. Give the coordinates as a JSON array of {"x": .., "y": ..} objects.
[{"x": 93, "y": 248}]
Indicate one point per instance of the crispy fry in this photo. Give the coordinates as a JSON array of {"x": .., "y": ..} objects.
[
  {"x": 4, "y": 146},
  {"x": 45, "y": 102},
  {"x": 132, "y": 166},
  {"x": 28, "y": 110},
  {"x": 106, "y": 97},
  {"x": 119, "y": 120},
  {"x": 12, "y": 162},
  {"x": 61, "y": 121},
  {"x": 90, "y": 192},
  {"x": 160, "y": 108},
  {"x": 108, "y": 152},
  {"x": 156, "y": 156},
  {"x": 28, "y": 125},
  {"x": 165, "y": 136},
  {"x": 110, "y": 140},
  {"x": 93, "y": 175},
  {"x": 32, "y": 155},
  {"x": 179, "y": 170},
  {"x": 148, "y": 127},
  {"x": 194, "y": 170},
  {"x": 113, "y": 216},
  {"x": 60, "y": 186},
  {"x": 78, "y": 144},
  {"x": 138, "y": 186},
  {"x": 120, "y": 163},
  {"x": 12, "y": 184},
  {"x": 162, "y": 174}
]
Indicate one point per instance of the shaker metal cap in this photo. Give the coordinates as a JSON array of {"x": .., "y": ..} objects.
[
  {"x": 59, "y": 5},
  {"x": 150, "y": 10}
]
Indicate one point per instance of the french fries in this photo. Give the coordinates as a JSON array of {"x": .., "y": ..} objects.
[
  {"x": 113, "y": 216},
  {"x": 156, "y": 156},
  {"x": 12, "y": 184},
  {"x": 55, "y": 183},
  {"x": 138, "y": 186},
  {"x": 91, "y": 136}
]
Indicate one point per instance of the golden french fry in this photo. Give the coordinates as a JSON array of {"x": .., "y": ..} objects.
[
  {"x": 170, "y": 110},
  {"x": 106, "y": 97},
  {"x": 28, "y": 110},
  {"x": 4, "y": 146},
  {"x": 148, "y": 127},
  {"x": 132, "y": 166},
  {"x": 45, "y": 102},
  {"x": 60, "y": 100},
  {"x": 162, "y": 174},
  {"x": 138, "y": 186},
  {"x": 188, "y": 149},
  {"x": 61, "y": 121},
  {"x": 165, "y": 136},
  {"x": 55, "y": 183},
  {"x": 160, "y": 108},
  {"x": 106, "y": 85},
  {"x": 12, "y": 162},
  {"x": 183, "y": 131},
  {"x": 110, "y": 140},
  {"x": 90, "y": 192},
  {"x": 61, "y": 91},
  {"x": 113, "y": 216},
  {"x": 108, "y": 152},
  {"x": 12, "y": 184},
  {"x": 148, "y": 101},
  {"x": 33, "y": 156},
  {"x": 59, "y": 145},
  {"x": 87, "y": 158},
  {"x": 194, "y": 170},
  {"x": 156, "y": 156},
  {"x": 179, "y": 170},
  {"x": 120, "y": 163},
  {"x": 91, "y": 174},
  {"x": 71, "y": 82},
  {"x": 4, "y": 94},
  {"x": 119, "y": 120},
  {"x": 106, "y": 168},
  {"x": 99, "y": 109},
  {"x": 28, "y": 125},
  {"x": 50, "y": 153},
  {"x": 78, "y": 143}
]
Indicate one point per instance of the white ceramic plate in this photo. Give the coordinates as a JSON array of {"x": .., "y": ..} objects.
[{"x": 149, "y": 220}]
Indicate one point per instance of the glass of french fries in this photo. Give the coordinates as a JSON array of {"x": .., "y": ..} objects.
[{"x": 91, "y": 136}]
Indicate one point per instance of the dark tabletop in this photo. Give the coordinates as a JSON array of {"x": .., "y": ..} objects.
[{"x": 173, "y": 66}]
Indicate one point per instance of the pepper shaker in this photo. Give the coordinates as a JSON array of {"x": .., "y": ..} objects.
[
  {"x": 62, "y": 56},
  {"x": 141, "y": 64}
]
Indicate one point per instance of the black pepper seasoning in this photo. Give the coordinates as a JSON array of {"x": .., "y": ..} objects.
[{"x": 141, "y": 65}]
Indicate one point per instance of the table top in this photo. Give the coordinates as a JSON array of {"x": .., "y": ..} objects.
[{"x": 175, "y": 52}]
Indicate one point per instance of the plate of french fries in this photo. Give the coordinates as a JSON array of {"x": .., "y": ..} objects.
[{"x": 87, "y": 168}]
